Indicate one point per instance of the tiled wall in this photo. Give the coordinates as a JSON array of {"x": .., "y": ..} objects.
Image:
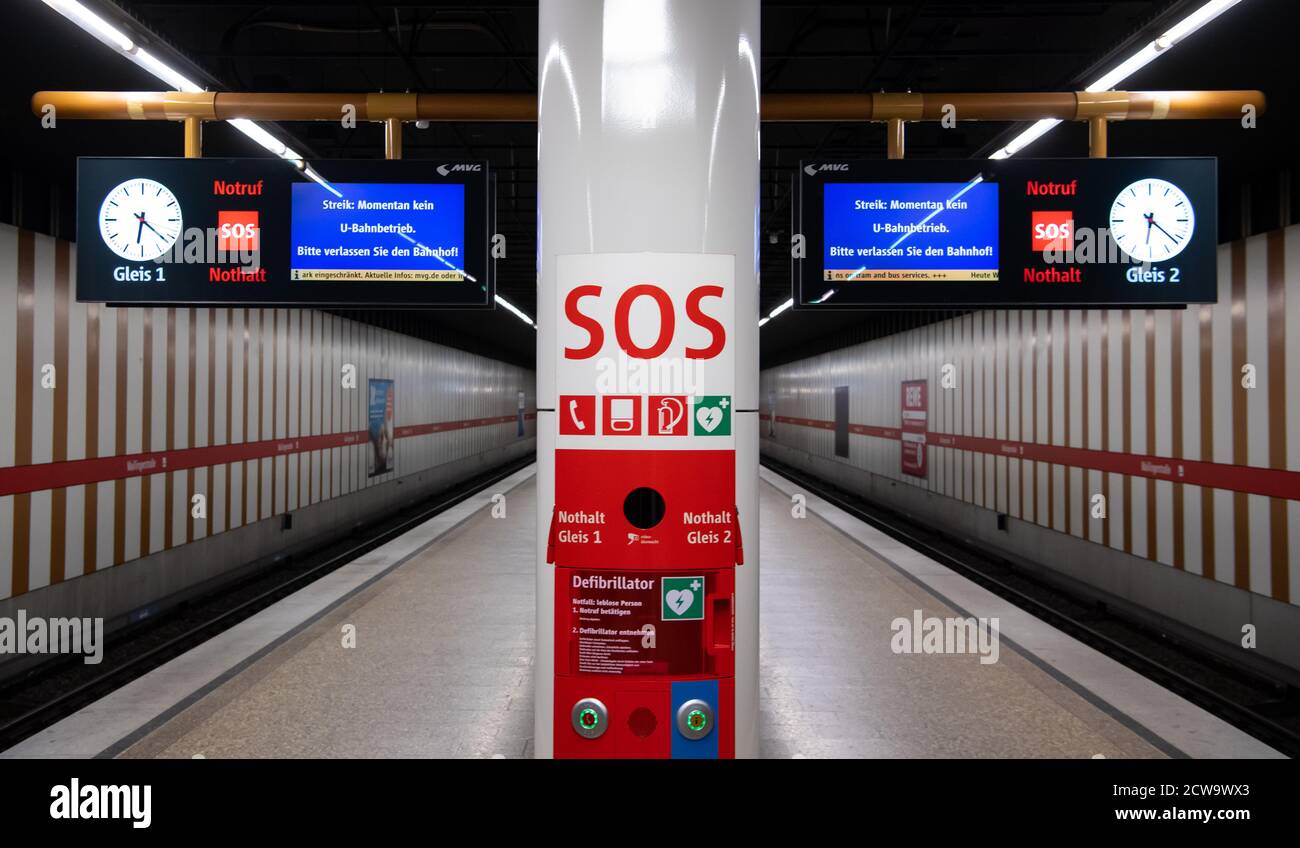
[
  {"x": 1051, "y": 407},
  {"x": 150, "y": 406}
]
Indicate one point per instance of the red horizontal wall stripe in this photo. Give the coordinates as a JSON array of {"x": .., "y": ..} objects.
[
  {"x": 444, "y": 426},
  {"x": 58, "y": 475},
  {"x": 1270, "y": 482}
]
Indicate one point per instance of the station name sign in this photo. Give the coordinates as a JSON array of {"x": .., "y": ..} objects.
[
  {"x": 1013, "y": 232},
  {"x": 264, "y": 232}
]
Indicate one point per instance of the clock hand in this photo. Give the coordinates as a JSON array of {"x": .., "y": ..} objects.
[
  {"x": 150, "y": 226},
  {"x": 139, "y": 231},
  {"x": 1163, "y": 230}
]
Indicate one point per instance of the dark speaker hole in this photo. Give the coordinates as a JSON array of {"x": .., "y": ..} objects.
[
  {"x": 644, "y": 507},
  {"x": 642, "y": 722}
]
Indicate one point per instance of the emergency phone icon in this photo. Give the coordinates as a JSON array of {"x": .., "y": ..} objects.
[{"x": 577, "y": 415}]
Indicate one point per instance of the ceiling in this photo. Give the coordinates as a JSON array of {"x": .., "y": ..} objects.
[{"x": 328, "y": 45}]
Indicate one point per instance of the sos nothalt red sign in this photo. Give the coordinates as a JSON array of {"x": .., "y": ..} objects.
[
  {"x": 645, "y": 379},
  {"x": 644, "y": 535},
  {"x": 915, "y": 422}
]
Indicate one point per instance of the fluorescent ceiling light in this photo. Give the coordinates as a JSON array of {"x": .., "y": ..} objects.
[
  {"x": 259, "y": 135},
  {"x": 783, "y": 307},
  {"x": 1036, "y": 131},
  {"x": 777, "y": 311},
  {"x": 162, "y": 70},
  {"x": 265, "y": 139},
  {"x": 92, "y": 23},
  {"x": 1125, "y": 69},
  {"x": 122, "y": 43},
  {"x": 1197, "y": 19},
  {"x": 501, "y": 301},
  {"x": 311, "y": 174}
]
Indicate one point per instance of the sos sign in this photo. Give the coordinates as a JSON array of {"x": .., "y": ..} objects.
[
  {"x": 667, "y": 317},
  {"x": 238, "y": 229},
  {"x": 645, "y": 306},
  {"x": 1052, "y": 230}
]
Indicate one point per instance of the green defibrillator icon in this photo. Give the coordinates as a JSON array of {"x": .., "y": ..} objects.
[
  {"x": 683, "y": 598},
  {"x": 712, "y": 415}
]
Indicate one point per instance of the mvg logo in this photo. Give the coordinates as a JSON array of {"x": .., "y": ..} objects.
[
  {"x": 811, "y": 170},
  {"x": 444, "y": 170}
]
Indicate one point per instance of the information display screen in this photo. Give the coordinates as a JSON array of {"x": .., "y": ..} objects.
[
  {"x": 920, "y": 231},
  {"x": 1049, "y": 232},
  {"x": 399, "y": 232},
  {"x": 261, "y": 231}
]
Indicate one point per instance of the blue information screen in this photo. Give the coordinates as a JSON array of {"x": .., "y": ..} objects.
[
  {"x": 1023, "y": 233},
  {"x": 378, "y": 232},
  {"x": 894, "y": 232}
]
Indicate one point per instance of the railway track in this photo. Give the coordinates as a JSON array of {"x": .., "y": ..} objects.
[
  {"x": 1265, "y": 708},
  {"x": 37, "y": 699}
]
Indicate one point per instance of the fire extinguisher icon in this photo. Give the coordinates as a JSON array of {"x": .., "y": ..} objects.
[{"x": 671, "y": 410}]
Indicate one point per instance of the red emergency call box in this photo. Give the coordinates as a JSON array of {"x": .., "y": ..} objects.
[
  {"x": 644, "y": 533},
  {"x": 645, "y": 545}
]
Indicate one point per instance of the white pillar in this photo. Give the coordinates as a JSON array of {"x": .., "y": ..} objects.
[{"x": 648, "y": 141}]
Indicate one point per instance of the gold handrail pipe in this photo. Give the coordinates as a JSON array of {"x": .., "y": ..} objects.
[{"x": 522, "y": 108}]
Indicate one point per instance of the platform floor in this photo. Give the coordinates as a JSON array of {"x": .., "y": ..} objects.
[{"x": 442, "y": 664}]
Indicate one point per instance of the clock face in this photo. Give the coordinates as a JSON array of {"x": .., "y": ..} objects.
[
  {"x": 1152, "y": 220},
  {"x": 140, "y": 219}
]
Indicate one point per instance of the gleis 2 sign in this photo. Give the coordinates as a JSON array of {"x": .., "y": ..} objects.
[{"x": 1012, "y": 232}]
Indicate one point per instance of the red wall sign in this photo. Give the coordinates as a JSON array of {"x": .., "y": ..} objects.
[{"x": 916, "y": 414}]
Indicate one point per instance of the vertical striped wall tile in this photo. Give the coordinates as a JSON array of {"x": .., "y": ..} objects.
[
  {"x": 1164, "y": 383},
  {"x": 159, "y": 379}
]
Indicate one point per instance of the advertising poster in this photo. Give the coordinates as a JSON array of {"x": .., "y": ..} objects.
[
  {"x": 381, "y": 427},
  {"x": 916, "y": 406}
]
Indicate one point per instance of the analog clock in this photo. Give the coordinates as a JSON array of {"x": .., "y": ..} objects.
[
  {"x": 140, "y": 219},
  {"x": 1152, "y": 220}
]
